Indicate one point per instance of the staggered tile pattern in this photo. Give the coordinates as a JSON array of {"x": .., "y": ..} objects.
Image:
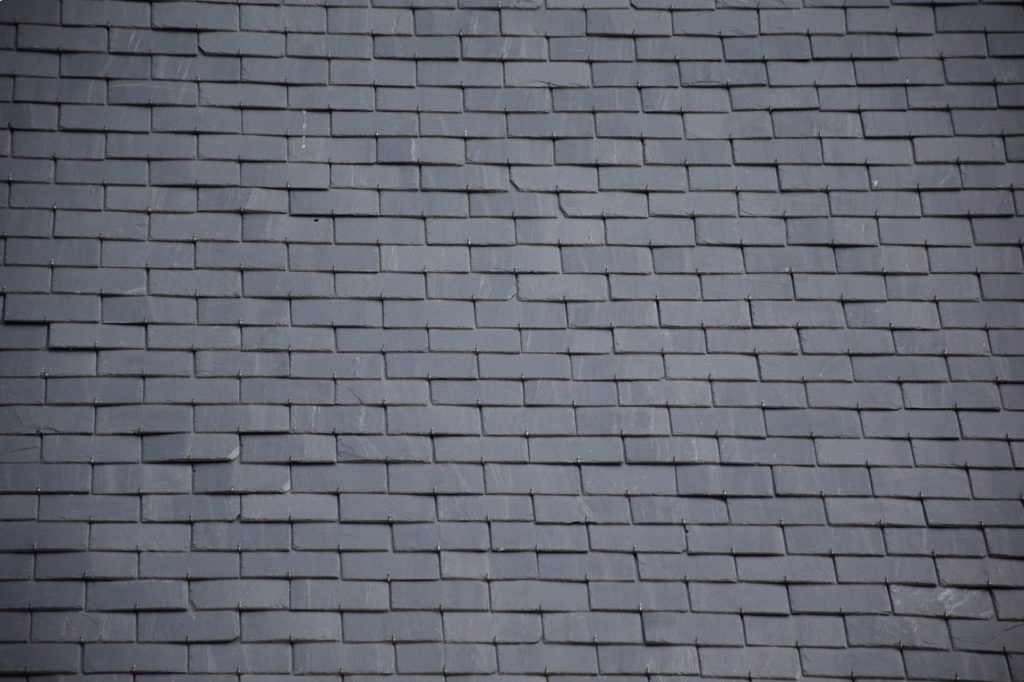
[{"x": 641, "y": 340}]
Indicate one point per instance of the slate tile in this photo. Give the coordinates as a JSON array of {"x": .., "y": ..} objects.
[
  {"x": 788, "y": 631},
  {"x": 788, "y": 570},
  {"x": 326, "y": 657},
  {"x": 741, "y": 540},
  {"x": 908, "y": 570},
  {"x": 558, "y": 658},
  {"x": 766, "y": 661},
  {"x": 201, "y": 626},
  {"x": 212, "y": 658},
  {"x": 153, "y": 595},
  {"x": 855, "y": 599},
  {"x": 858, "y": 661},
  {"x": 826, "y": 540},
  {"x": 50, "y": 536},
  {"x": 949, "y": 664},
  {"x": 889, "y": 631},
  {"x": 189, "y": 565},
  {"x": 684, "y": 628}
]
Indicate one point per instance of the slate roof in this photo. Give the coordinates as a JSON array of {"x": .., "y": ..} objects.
[{"x": 653, "y": 340}]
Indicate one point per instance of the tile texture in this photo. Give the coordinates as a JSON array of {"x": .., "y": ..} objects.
[{"x": 463, "y": 338}]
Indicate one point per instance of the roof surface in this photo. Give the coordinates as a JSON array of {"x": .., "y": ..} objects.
[{"x": 637, "y": 341}]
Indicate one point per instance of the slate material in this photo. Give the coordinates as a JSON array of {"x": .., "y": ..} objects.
[{"x": 641, "y": 340}]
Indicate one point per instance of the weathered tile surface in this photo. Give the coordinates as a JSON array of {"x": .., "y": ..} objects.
[{"x": 542, "y": 339}]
